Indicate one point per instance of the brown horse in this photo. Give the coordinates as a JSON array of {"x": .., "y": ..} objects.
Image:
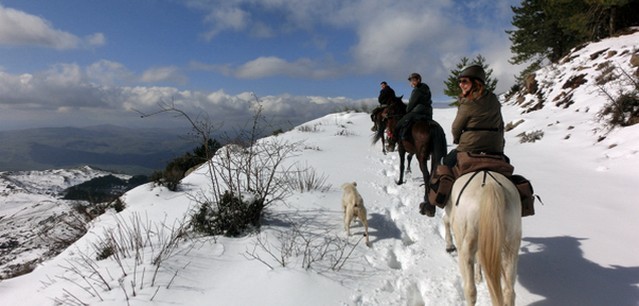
[
  {"x": 428, "y": 141},
  {"x": 380, "y": 118}
]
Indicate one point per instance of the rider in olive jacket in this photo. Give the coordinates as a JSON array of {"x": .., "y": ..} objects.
[{"x": 478, "y": 126}]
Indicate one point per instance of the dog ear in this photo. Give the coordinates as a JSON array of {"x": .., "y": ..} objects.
[{"x": 355, "y": 184}]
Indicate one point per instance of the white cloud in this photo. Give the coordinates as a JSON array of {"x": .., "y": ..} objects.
[
  {"x": 109, "y": 73},
  {"x": 18, "y": 28},
  {"x": 163, "y": 74},
  {"x": 392, "y": 39},
  {"x": 96, "y": 40},
  {"x": 225, "y": 18},
  {"x": 268, "y": 66},
  {"x": 68, "y": 90}
]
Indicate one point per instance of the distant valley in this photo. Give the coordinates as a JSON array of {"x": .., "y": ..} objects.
[{"x": 112, "y": 148}]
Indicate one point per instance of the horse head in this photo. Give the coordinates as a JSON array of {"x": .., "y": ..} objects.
[{"x": 395, "y": 111}]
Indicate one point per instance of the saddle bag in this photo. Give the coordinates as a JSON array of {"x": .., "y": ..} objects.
[
  {"x": 526, "y": 194},
  {"x": 440, "y": 186},
  {"x": 470, "y": 162}
]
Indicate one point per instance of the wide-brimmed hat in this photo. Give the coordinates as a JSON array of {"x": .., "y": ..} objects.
[{"x": 474, "y": 72}]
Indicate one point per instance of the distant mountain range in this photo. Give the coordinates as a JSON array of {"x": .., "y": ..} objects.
[{"x": 113, "y": 148}]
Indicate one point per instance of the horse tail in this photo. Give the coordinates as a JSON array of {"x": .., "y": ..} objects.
[
  {"x": 438, "y": 143},
  {"x": 379, "y": 134},
  {"x": 491, "y": 237}
]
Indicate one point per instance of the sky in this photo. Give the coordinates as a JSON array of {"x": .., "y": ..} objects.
[
  {"x": 76, "y": 62},
  {"x": 578, "y": 249}
]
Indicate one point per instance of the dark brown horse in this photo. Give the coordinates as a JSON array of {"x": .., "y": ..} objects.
[
  {"x": 380, "y": 118},
  {"x": 428, "y": 141}
]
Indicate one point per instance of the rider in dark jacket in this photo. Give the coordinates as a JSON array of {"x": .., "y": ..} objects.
[
  {"x": 420, "y": 106},
  {"x": 386, "y": 96}
]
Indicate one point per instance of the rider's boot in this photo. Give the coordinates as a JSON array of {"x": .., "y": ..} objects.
[{"x": 440, "y": 186}]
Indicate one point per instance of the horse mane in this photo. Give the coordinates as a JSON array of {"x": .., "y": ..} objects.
[{"x": 399, "y": 103}]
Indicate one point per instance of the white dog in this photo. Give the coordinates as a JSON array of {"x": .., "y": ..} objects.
[{"x": 353, "y": 206}]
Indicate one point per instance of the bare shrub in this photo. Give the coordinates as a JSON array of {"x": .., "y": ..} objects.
[
  {"x": 310, "y": 250},
  {"x": 307, "y": 179},
  {"x": 530, "y": 136},
  {"x": 310, "y": 129},
  {"x": 313, "y": 148},
  {"x": 246, "y": 175},
  {"x": 344, "y": 132},
  {"x": 126, "y": 244},
  {"x": 233, "y": 216},
  {"x": 606, "y": 73},
  {"x": 118, "y": 205},
  {"x": 622, "y": 108},
  {"x": 511, "y": 125}
]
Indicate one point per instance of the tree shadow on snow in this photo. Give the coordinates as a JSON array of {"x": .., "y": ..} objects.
[{"x": 555, "y": 268}]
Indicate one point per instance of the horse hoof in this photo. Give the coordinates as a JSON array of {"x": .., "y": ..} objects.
[
  {"x": 426, "y": 209},
  {"x": 451, "y": 249}
]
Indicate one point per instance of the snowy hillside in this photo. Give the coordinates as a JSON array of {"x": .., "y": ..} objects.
[
  {"x": 579, "y": 249},
  {"x": 31, "y": 211}
]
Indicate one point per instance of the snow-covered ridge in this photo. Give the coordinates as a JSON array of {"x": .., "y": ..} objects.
[
  {"x": 50, "y": 182},
  {"x": 32, "y": 212},
  {"x": 581, "y": 239}
]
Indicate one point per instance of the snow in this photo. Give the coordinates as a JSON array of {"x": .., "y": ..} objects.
[{"x": 579, "y": 249}]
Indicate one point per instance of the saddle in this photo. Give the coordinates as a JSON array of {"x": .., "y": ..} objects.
[
  {"x": 471, "y": 162},
  {"x": 403, "y": 129},
  {"x": 442, "y": 180}
]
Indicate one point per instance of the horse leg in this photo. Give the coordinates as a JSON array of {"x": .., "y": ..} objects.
[
  {"x": 410, "y": 158},
  {"x": 510, "y": 259},
  {"x": 425, "y": 208},
  {"x": 383, "y": 144},
  {"x": 450, "y": 247},
  {"x": 510, "y": 274},
  {"x": 467, "y": 268},
  {"x": 401, "y": 166},
  {"x": 423, "y": 165}
]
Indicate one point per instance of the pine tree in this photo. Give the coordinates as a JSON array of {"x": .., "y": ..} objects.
[
  {"x": 452, "y": 89},
  {"x": 605, "y": 15},
  {"x": 538, "y": 35},
  {"x": 549, "y": 29}
]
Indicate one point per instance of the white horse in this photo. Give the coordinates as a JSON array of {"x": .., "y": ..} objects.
[{"x": 485, "y": 211}]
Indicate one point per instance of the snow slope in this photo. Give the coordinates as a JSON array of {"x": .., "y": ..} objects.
[{"x": 579, "y": 249}]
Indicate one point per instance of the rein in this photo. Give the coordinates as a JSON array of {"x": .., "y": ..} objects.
[{"x": 483, "y": 182}]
